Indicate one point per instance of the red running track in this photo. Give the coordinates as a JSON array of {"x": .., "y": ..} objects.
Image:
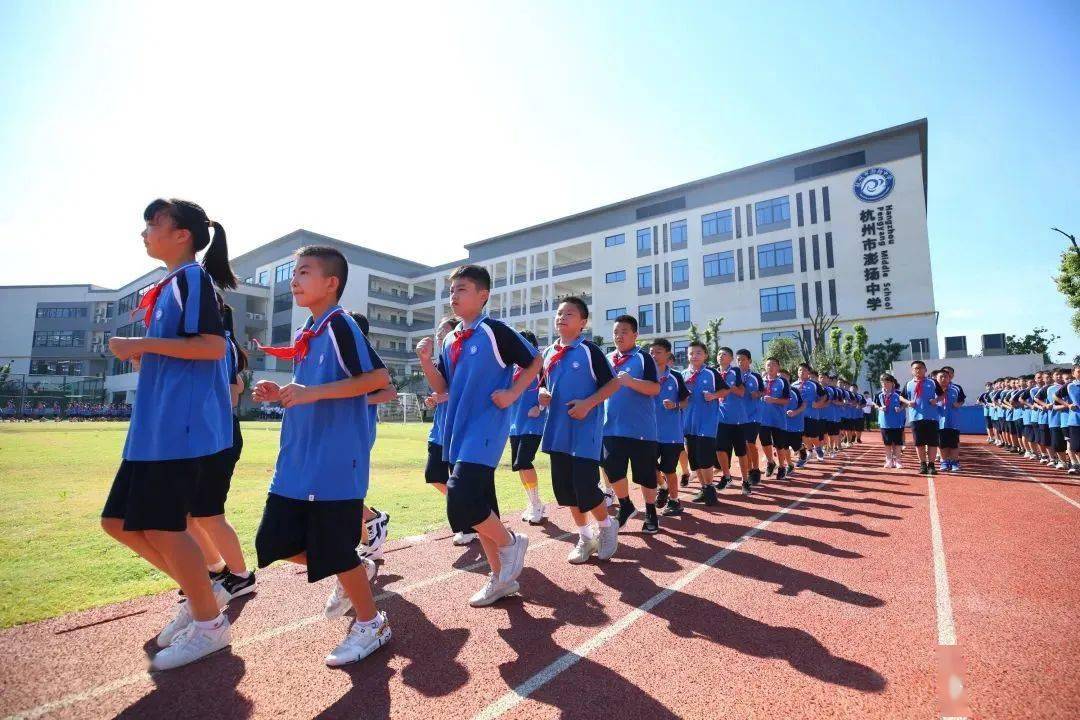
[{"x": 829, "y": 595}]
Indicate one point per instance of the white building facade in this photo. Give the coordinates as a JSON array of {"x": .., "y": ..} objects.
[{"x": 836, "y": 231}]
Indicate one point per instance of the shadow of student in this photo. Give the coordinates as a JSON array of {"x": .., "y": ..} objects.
[
  {"x": 783, "y": 495},
  {"x": 583, "y": 609},
  {"x": 770, "y": 498},
  {"x": 206, "y": 689},
  {"x": 724, "y": 533}
]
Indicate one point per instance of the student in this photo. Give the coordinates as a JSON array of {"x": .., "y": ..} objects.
[
  {"x": 751, "y": 400},
  {"x": 630, "y": 425},
  {"x": 795, "y": 422},
  {"x": 475, "y": 367},
  {"x": 1072, "y": 400},
  {"x": 866, "y": 409},
  {"x": 702, "y": 416},
  {"x": 1057, "y": 410},
  {"x": 182, "y": 416},
  {"x": 577, "y": 380},
  {"x": 776, "y": 397},
  {"x": 526, "y": 430},
  {"x": 437, "y": 470},
  {"x": 730, "y": 436},
  {"x": 892, "y": 416},
  {"x": 949, "y": 422},
  {"x": 924, "y": 394},
  {"x": 670, "y": 404},
  {"x": 814, "y": 395},
  {"x": 984, "y": 401},
  {"x": 830, "y": 414},
  {"x": 211, "y": 529}
]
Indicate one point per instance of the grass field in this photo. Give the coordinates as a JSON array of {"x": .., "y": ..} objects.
[{"x": 54, "y": 477}]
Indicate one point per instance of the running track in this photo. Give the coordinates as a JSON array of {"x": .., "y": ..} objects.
[{"x": 847, "y": 592}]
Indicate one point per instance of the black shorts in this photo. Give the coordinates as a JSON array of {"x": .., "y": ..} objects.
[
  {"x": 327, "y": 531},
  {"x": 700, "y": 451},
  {"x": 154, "y": 494},
  {"x": 729, "y": 439},
  {"x": 830, "y": 427},
  {"x": 667, "y": 457},
  {"x": 470, "y": 496},
  {"x": 523, "y": 451},
  {"x": 771, "y": 436},
  {"x": 437, "y": 470},
  {"x": 860, "y": 424},
  {"x": 1043, "y": 437},
  {"x": 847, "y": 423},
  {"x": 1029, "y": 433},
  {"x": 638, "y": 456},
  {"x": 1057, "y": 439},
  {"x": 216, "y": 478},
  {"x": 812, "y": 428},
  {"x": 925, "y": 432},
  {"x": 949, "y": 438},
  {"x": 1074, "y": 438},
  {"x": 575, "y": 481},
  {"x": 794, "y": 439},
  {"x": 989, "y": 422},
  {"x": 1017, "y": 427},
  {"x": 892, "y": 436},
  {"x": 750, "y": 432}
]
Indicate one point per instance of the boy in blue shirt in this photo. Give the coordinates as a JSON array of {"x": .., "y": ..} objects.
[
  {"x": 577, "y": 381},
  {"x": 1072, "y": 402},
  {"x": 702, "y": 415},
  {"x": 751, "y": 400},
  {"x": 730, "y": 436},
  {"x": 315, "y": 506},
  {"x": 475, "y": 366},
  {"x": 925, "y": 395},
  {"x": 670, "y": 404},
  {"x": 949, "y": 423},
  {"x": 526, "y": 430},
  {"x": 815, "y": 398},
  {"x": 630, "y": 424},
  {"x": 1054, "y": 405},
  {"x": 794, "y": 421},
  {"x": 892, "y": 415},
  {"x": 775, "y": 397}
]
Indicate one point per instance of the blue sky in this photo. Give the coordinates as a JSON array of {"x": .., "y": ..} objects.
[{"x": 415, "y": 130}]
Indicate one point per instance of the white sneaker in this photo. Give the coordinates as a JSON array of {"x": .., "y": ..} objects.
[
  {"x": 584, "y": 550},
  {"x": 191, "y": 644},
  {"x": 1072, "y": 470},
  {"x": 1059, "y": 465},
  {"x": 464, "y": 538},
  {"x": 609, "y": 541},
  {"x": 888, "y": 463},
  {"x": 363, "y": 639},
  {"x": 534, "y": 514},
  {"x": 897, "y": 465},
  {"x": 512, "y": 558},
  {"x": 609, "y": 495},
  {"x": 378, "y": 529},
  {"x": 183, "y": 617},
  {"x": 493, "y": 590},
  {"x": 338, "y": 603}
]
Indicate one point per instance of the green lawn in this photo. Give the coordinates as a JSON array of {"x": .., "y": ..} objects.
[{"x": 54, "y": 477}]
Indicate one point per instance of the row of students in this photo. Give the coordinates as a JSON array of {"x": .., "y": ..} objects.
[
  {"x": 1036, "y": 416},
  {"x": 76, "y": 411}
]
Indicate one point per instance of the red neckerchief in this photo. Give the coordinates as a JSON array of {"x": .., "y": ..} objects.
[
  {"x": 887, "y": 398},
  {"x": 149, "y": 299},
  {"x": 560, "y": 351},
  {"x": 693, "y": 376},
  {"x": 621, "y": 360},
  {"x": 459, "y": 344},
  {"x": 517, "y": 374},
  {"x": 919, "y": 388},
  {"x": 298, "y": 350}
]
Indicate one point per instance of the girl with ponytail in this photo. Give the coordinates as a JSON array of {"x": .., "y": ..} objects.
[{"x": 182, "y": 416}]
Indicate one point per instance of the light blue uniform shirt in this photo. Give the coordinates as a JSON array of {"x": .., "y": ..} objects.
[{"x": 580, "y": 372}]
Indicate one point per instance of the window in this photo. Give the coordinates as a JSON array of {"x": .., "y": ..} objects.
[
  {"x": 615, "y": 312},
  {"x": 614, "y": 277},
  {"x": 680, "y": 273},
  {"x": 768, "y": 337},
  {"x": 249, "y": 280},
  {"x": 777, "y": 254},
  {"x": 57, "y": 367},
  {"x": 717, "y": 223},
  {"x": 678, "y": 349},
  {"x": 680, "y": 312},
  {"x": 57, "y": 313},
  {"x": 612, "y": 240},
  {"x": 678, "y": 235},
  {"x": 719, "y": 264},
  {"x": 283, "y": 273},
  {"x": 645, "y": 316},
  {"x": 283, "y": 301},
  {"x": 644, "y": 278},
  {"x": 644, "y": 241},
  {"x": 59, "y": 338},
  {"x": 264, "y": 277},
  {"x": 778, "y": 299},
  {"x": 281, "y": 334},
  {"x": 920, "y": 348},
  {"x": 127, "y": 303},
  {"x": 768, "y": 212}
]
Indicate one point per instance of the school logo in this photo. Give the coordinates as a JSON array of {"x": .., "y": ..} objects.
[
  {"x": 575, "y": 364},
  {"x": 157, "y": 315},
  {"x": 874, "y": 184},
  {"x": 473, "y": 349},
  {"x": 321, "y": 358}
]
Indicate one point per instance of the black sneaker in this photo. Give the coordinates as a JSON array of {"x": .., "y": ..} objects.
[
  {"x": 626, "y": 511},
  {"x": 724, "y": 482},
  {"x": 214, "y": 578},
  {"x": 710, "y": 495},
  {"x": 931, "y": 469},
  {"x": 746, "y": 485},
  {"x": 922, "y": 468},
  {"x": 237, "y": 585},
  {"x": 790, "y": 468},
  {"x": 662, "y": 496},
  {"x": 673, "y": 507},
  {"x": 684, "y": 480},
  {"x": 651, "y": 526},
  {"x": 770, "y": 469},
  {"x": 780, "y": 473},
  {"x": 755, "y": 476}
]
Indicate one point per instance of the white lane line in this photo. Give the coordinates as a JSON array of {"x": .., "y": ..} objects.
[
  {"x": 946, "y": 629},
  {"x": 136, "y": 678},
  {"x": 1014, "y": 472},
  {"x": 570, "y": 658}
]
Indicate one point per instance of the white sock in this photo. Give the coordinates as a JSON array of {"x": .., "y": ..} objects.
[
  {"x": 246, "y": 574},
  {"x": 216, "y": 567},
  {"x": 587, "y": 532},
  {"x": 604, "y": 523},
  {"x": 210, "y": 624},
  {"x": 534, "y": 495}
]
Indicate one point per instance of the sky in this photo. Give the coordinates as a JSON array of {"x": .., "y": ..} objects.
[{"x": 416, "y": 128}]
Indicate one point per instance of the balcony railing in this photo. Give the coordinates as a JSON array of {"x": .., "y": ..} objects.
[
  {"x": 572, "y": 267},
  {"x": 402, "y": 298}
]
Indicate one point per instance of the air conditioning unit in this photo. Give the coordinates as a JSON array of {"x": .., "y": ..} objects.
[
  {"x": 993, "y": 344},
  {"x": 256, "y": 316},
  {"x": 956, "y": 346}
]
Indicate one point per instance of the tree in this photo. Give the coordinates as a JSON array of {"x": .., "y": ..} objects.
[
  {"x": 1036, "y": 342},
  {"x": 785, "y": 350},
  {"x": 693, "y": 334},
  {"x": 819, "y": 330},
  {"x": 880, "y": 357},
  {"x": 711, "y": 337},
  {"x": 1068, "y": 282},
  {"x": 855, "y": 345}
]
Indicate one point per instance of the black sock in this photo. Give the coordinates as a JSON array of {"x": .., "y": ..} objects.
[
  {"x": 650, "y": 509},
  {"x": 626, "y": 502}
]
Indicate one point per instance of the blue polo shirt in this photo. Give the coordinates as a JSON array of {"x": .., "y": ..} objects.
[
  {"x": 669, "y": 423},
  {"x": 830, "y": 412},
  {"x": 580, "y": 372},
  {"x": 893, "y": 418},
  {"x": 772, "y": 415},
  {"x": 520, "y": 422},
  {"x": 1043, "y": 414},
  {"x": 797, "y": 423},
  {"x": 325, "y": 451},
  {"x": 751, "y": 405},
  {"x": 732, "y": 407},
  {"x": 814, "y": 391},
  {"x": 1073, "y": 398},
  {"x": 950, "y": 416},
  {"x": 183, "y": 408},
  {"x": 1053, "y": 415},
  {"x": 435, "y": 435},
  {"x": 926, "y": 407},
  {"x": 475, "y": 429},
  {"x": 628, "y": 413},
  {"x": 702, "y": 416}
]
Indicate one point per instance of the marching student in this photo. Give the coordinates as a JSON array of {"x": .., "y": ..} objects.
[
  {"x": 830, "y": 413},
  {"x": 1072, "y": 400},
  {"x": 1057, "y": 413},
  {"x": 892, "y": 416},
  {"x": 924, "y": 394},
  {"x": 730, "y": 431},
  {"x": 949, "y": 423},
  {"x": 437, "y": 470},
  {"x": 630, "y": 424},
  {"x": 315, "y": 503},
  {"x": 670, "y": 404},
  {"x": 795, "y": 421},
  {"x": 815, "y": 397},
  {"x": 476, "y": 367},
  {"x": 702, "y": 416},
  {"x": 526, "y": 430},
  {"x": 751, "y": 399},
  {"x": 775, "y": 398},
  {"x": 984, "y": 401},
  {"x": 182, "y": 417},
  {"x": 577, "y": 381}
]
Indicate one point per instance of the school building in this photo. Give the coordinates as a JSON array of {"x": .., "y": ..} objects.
[{"x": 837, "y": 230}]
